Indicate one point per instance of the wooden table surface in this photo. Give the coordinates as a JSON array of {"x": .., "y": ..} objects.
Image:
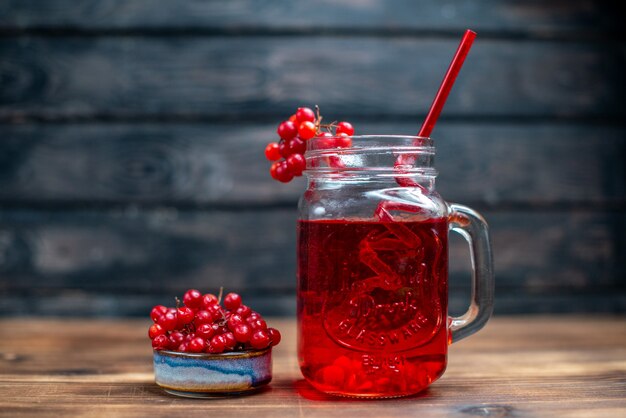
[{"x": 515, "y": 367}]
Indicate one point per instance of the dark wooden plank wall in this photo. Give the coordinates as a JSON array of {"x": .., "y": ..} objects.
[{"x": 131, "y": 136}]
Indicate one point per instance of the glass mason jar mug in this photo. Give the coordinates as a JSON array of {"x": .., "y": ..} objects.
[{"x": 373, "y": 268}]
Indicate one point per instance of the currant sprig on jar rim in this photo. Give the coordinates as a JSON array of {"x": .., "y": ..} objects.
[
  {"x": 203, "y": 325},
  {"x": 288, "y": 153}
]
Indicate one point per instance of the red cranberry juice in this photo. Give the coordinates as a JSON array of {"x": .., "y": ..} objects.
[{"x": 372, "y": 305}]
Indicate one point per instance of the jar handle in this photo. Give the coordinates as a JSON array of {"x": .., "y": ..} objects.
[{"x": 472, "y": 226}]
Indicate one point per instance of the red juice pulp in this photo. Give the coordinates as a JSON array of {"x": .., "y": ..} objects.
[{"x": 372, "y": 305}]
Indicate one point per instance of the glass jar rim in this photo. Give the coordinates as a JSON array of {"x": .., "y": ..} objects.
[{"x": 371, "y": 155}]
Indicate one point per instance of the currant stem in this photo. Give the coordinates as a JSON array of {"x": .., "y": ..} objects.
[{"x": 329, "y": 126}]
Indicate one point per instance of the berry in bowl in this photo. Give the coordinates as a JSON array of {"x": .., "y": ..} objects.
[{"x": 205, "y": 348}]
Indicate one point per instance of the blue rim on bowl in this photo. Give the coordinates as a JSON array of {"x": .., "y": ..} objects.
[{"x": 202, "y": 375}]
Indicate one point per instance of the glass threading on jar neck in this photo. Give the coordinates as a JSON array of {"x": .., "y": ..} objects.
[{"x": 372, "y": 158}]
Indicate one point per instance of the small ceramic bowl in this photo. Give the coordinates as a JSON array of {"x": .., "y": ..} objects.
[{"x": 201, "y": 375}]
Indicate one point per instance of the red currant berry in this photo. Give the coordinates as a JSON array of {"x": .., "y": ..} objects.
[
  {"x": 219, "y": 329},
  {"x": 229, "y": 339},
  {"x": 157, "y": 312},
  {"x": 205, "y": 331},
  {"x": 185, "y": 316},
  {"x": 218, "y": 343},
  {"x": 274, "y": 170},
  {"x": 233, "y": 321},
  {"x": 272, "y": 152},
  {"x": 209, "y": 300},
  {"x": 184, "y": 347},
  {"x": 253, "y": 316},
  {"x": 296, "y": 146},
  {"x": 345, "y": 128},
  {"x": 260, "y": 339},
  {"x": 258, "y": 324},
  {"x": 160, "y": 342},
  {"x": 306, "y": 130},
  {"x": 324, "y": 141},
  {"x": 283, "y": 148},
  {"x": 282, "y": 172},
  {"x": 296, "y": 164},
  {"x": 242, "y": 333},
  {"x": 274, "y": 335},
  {"x": 192, "y": 299},
  {"x": 216, "y": 312},
  {"x": 333, "y": 375},
  {"x": 243, "y": 311},
  {"x": 169, "y": 321},
  {"x": 304, "y": 114},
  {"x": 287, "y": 130},
  {"x": 196, "y": 345},
  {"x": 343, "y": 141},
  {"x": 203, "y": 317},
  {"x": 176, "y": 338},
  {"x": 155, "y": 330},
  {"x": 232, "y": 301},
  {"x": 293, "y": 118}
]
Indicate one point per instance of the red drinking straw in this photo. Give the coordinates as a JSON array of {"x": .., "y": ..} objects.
[
  {"x": 446, "y": 84},
  {"x": 435, "y": 108}
]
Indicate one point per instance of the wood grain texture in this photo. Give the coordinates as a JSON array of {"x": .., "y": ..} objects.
[
  {"x": 241, "y": 77},
  {"x": 525, "y": 366},
  {"x": 221, "y": 164},
  {"x": 541, "y": 19},
  {"x": 118, "y": 263}
]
